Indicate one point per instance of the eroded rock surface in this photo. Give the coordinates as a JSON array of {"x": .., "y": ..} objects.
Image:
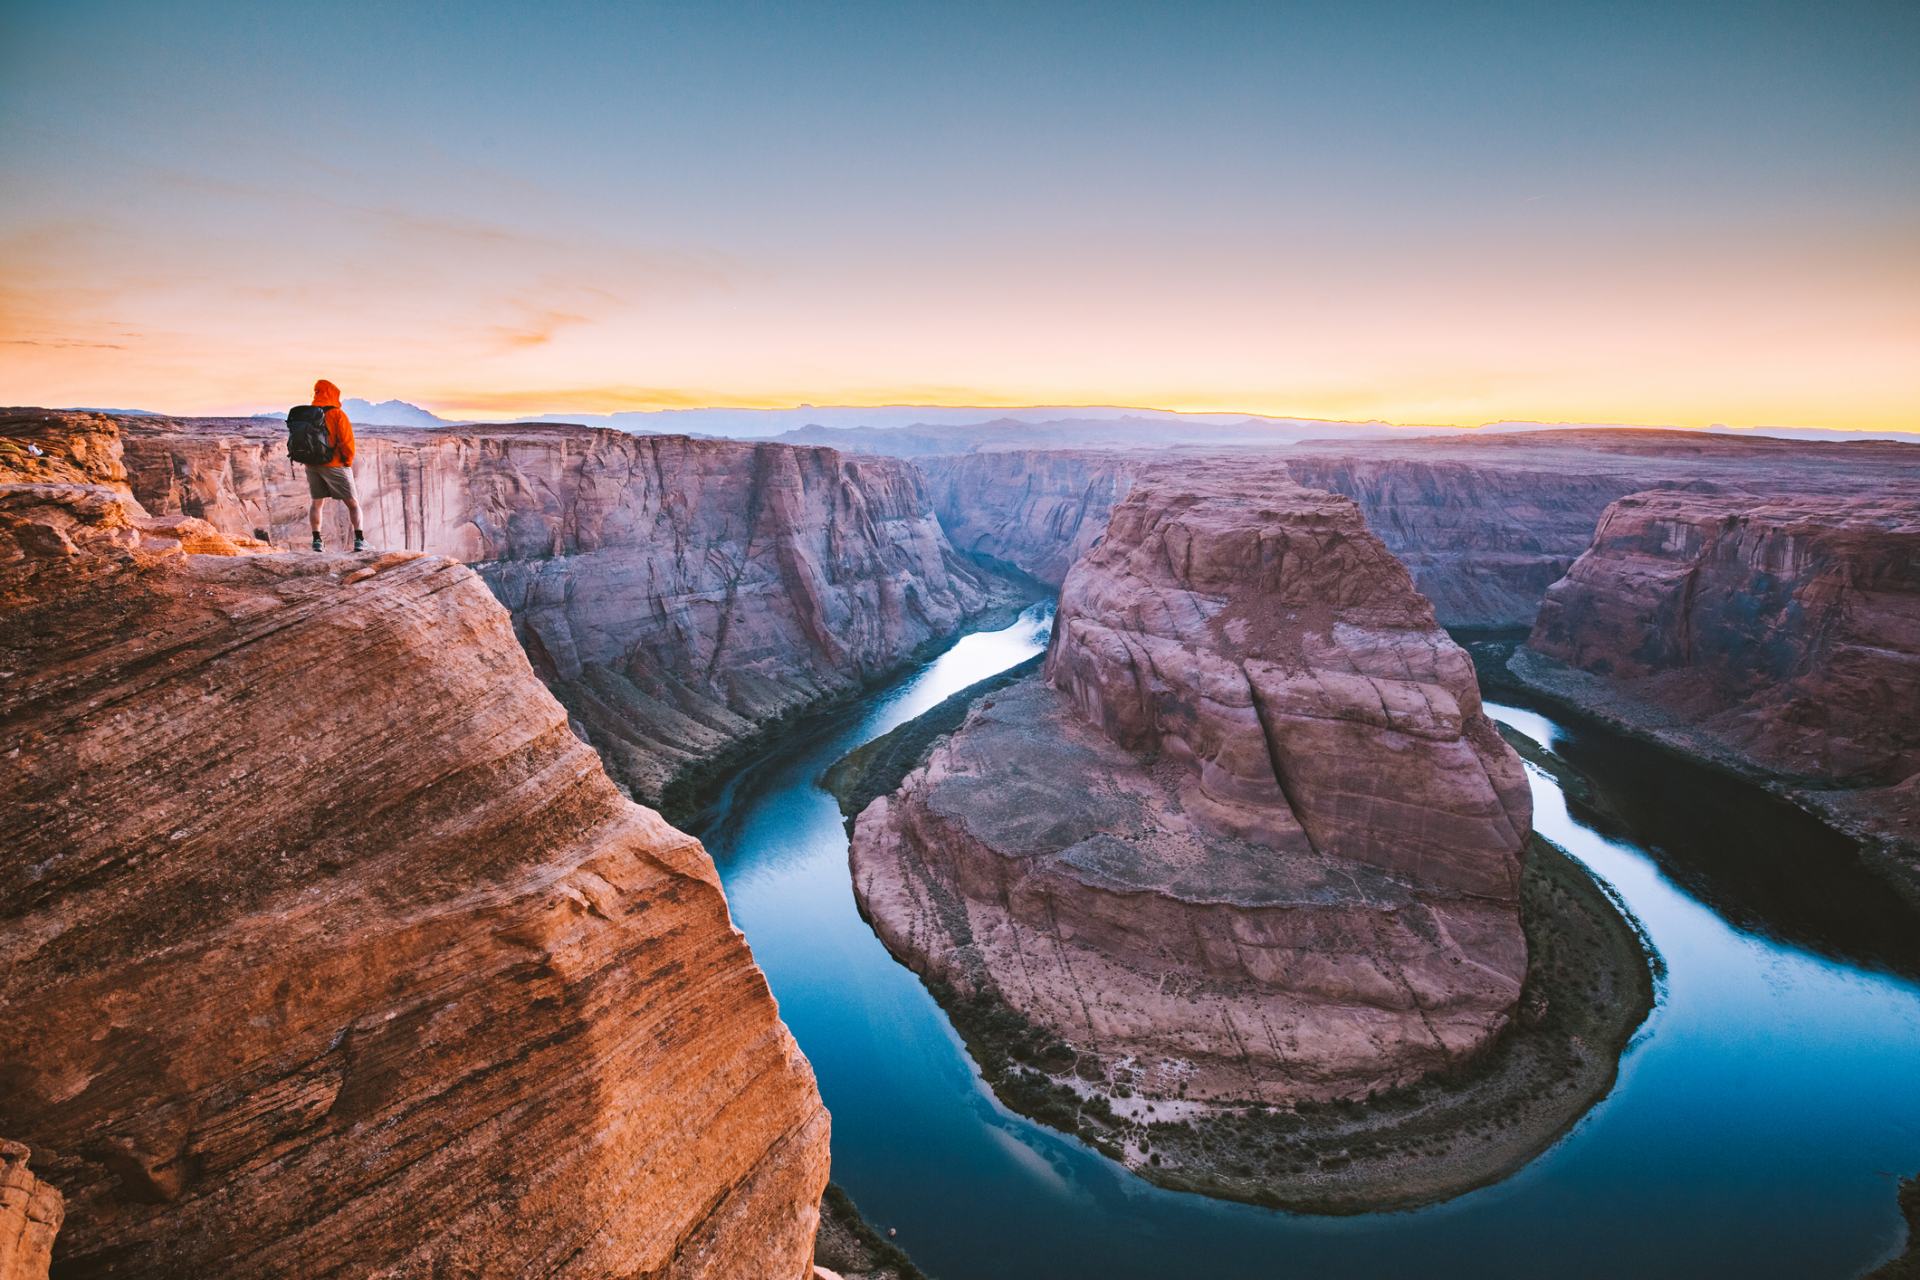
[
  {"x": 1779, "y": 634},
  {"x": 329, "y": 949},
  {"x": 30, "y": 1215},
  {"x": 678, "y": 595},
  {"x": 1252, "y": 835}
]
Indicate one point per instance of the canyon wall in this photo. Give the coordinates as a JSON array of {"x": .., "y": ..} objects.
[
  {"x": 1251, "y": 833},
  {"x": 1488, "y": 521},
  {"x": 1781, "y": 634},
  {"x": 1483, "y": 542},
  {"x": 678, "y": 595},
  {"x": 330, "y": 950},
  {"x": 1485, "y": 522},
  {"x": 1037, "y": 510}
]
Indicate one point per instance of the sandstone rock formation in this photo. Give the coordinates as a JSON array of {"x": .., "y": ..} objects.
[
  {"x": 678, "y": 595},
  {"x": 329, "y": 949},
  {"x": 1778, "y": 634},
  {"x": 1485, "y": 522},
  {"x": 30, "y": 1216},
  {"x": 1252, "y": 835}
]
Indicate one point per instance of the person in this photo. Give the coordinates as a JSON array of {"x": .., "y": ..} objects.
[{"x": 333, "y": 478}]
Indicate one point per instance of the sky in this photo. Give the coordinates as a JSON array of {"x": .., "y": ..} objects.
[{"x": 1666, "y": 213}]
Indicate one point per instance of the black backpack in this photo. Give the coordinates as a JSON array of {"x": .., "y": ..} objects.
[{"x": 307, "y": 438}]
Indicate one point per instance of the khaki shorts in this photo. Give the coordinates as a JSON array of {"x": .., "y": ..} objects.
[{"x": 330, "y": 482}]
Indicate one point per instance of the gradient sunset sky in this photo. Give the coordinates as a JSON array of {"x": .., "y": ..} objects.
[{"x": 1663, "y": 213}]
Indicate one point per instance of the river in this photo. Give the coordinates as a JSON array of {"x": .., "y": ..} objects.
[{"x": 1762, "y": 1118}]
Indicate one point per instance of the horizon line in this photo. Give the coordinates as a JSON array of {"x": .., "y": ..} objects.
[{"x": 426, "y": 405}]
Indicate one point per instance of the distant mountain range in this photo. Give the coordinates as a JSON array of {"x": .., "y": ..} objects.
[
  {"x": 388, "y": 413},
  {"x": 1131, "y": 432},
  {"x": 921, "y": 430}
]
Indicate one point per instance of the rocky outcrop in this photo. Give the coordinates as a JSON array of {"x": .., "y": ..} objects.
[
  {"x": 678, "y": 595},
  {"x": 1781, "y": 635},
  {"x": 329, "y": 949},
  {"x": 1485, "y": 522},
  {"x": 1037, "y": 510},
  {"x": 1252, "y": 835},
  {"x": 30, "y": 1217}
]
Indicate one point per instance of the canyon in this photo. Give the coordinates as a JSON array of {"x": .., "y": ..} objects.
[
  {"x": 1035, "y": 510},
  {"x": 1249, "y": 836},
  {"x": 331, "y": 950},
  {"x": 1779, "y": 636},
  {"x": 1485, "y": 522},
  {"x": 1242, "y": 877},
  {"x": 680, "y": 597}
]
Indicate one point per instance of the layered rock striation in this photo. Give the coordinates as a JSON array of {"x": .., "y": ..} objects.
[
  {"x": 1250, "y": 837},
  {"x": 1780, "y": 635},
  {"x": 678, "y": 595},
  {"x": 330, "y": 950}
]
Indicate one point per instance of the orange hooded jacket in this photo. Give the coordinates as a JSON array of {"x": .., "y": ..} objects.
[{"x": 339, "y": 429}]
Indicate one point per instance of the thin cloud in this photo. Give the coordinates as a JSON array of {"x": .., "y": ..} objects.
[
  {"x": 606, "y": 399},
  {"x": 537, "y": 331},
  {"x": 62, "y": 342}
]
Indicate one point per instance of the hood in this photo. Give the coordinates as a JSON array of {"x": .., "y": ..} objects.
[{"x": 325, "y": 393}]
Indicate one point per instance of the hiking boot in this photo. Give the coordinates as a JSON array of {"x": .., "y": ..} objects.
[
  {"x": 317, "y": 544},
  {"x": 359, "y": 540}
]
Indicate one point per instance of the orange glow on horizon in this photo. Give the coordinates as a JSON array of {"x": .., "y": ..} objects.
[
  {"x": 1673, "y": 221},
  {"x": 477, "y": 322}
]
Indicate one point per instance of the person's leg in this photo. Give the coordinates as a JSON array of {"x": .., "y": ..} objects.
[
  {"x": 316, "y": 494},
  {"x": 353, "y": 510}
]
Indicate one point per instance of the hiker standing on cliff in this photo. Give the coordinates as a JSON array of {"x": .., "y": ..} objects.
[{"x": 323, "y": 442}]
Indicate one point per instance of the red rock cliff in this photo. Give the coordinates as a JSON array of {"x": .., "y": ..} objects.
[
  {"x": 1783, "y": 634},
  {"x": 1256, "y": 633},
  {"x": 677, "y": 595},
  {"x": 1253, "y": 832},
  {"x": 330, "y": 950}
]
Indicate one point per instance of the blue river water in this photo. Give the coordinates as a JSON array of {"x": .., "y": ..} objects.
[{"x": 1763, "y": 1116}]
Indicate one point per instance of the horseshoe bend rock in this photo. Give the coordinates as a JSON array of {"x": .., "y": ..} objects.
[
  {"x": 1250, "y": 836},
  {"x": 329, "y": 950}
]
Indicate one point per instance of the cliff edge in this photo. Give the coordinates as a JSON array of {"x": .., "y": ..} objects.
[
  {"x": 679, "y": 596},
  {"x": 1776, "y": 636},
  {"x": 329, "y": 949}
]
